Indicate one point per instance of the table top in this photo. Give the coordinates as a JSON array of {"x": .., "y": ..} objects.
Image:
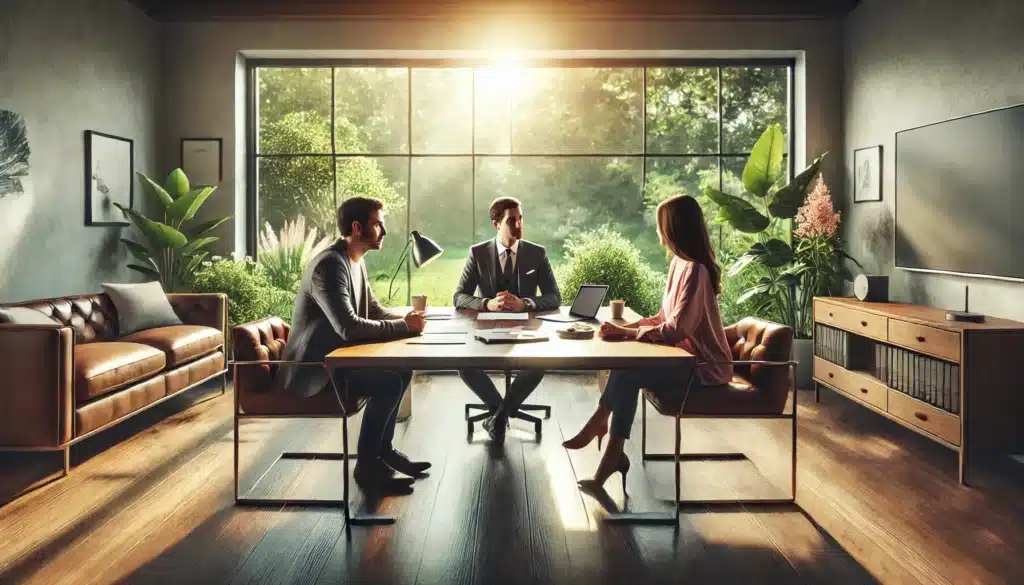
[{"x": 554, "y": 353}]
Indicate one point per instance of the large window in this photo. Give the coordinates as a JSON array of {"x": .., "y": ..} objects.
[{"x": 582, "y": 146}]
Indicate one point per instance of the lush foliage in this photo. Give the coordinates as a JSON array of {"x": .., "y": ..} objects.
[
  {"x": 284, "y": 257},
  {"x": 173, "y": 247},
  {"x": 785, "y": 284},
  {"x": 600, "y": 115},
  {"x": 603, "y": 256},
  {"x": 817, "y": 253},
  {"x": 251, "y": 294}
]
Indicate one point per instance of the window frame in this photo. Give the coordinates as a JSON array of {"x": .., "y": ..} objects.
[{"x": 252, "y": 157}]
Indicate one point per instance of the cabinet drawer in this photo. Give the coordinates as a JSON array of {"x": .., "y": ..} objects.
[
  {"x": 936, "y": 342},
  {"x": 861, "y": 323},
  {"x": 855, "y": 385},
  {"x": 923, "y": 416}
]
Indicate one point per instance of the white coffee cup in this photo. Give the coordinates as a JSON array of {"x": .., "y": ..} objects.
[{"x": 419, "y": 303}]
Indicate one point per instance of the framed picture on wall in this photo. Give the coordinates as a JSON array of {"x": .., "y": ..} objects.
[
  {"x": 201, "y": 161},
  {"x": 109, "y": 178},
  {"x": 867, "y": 174}
]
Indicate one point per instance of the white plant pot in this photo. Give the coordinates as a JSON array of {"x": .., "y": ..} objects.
[{"x": 803, "y": 353}]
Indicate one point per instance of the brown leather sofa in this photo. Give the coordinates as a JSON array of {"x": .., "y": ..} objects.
[{"x": 63, "y": 383}]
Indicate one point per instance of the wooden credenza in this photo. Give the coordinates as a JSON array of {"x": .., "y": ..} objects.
[{"x": 959, "y": 384}]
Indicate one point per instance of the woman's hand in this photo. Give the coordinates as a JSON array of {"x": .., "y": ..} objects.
[{"x": 611, "y": 331}]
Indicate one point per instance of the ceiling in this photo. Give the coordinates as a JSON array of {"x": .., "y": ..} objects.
[{"x": 185, "y": 10}]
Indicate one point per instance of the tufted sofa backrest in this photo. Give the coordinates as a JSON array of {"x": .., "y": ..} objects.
[{"x": 93, "y": 317}]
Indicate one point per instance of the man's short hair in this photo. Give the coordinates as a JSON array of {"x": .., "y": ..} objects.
[
  {"x": 500, "y": 205},
  {"x": 358, "y": 208}
]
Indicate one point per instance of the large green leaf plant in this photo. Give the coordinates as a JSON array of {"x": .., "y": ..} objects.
[
  {"x": 171, "y": 250},
  {"x": 761, "y": 211}
]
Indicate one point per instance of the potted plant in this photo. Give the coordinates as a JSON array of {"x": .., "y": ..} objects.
[
  {"x": 789, "y": 272},
  {"x": 173, "y": 249}
]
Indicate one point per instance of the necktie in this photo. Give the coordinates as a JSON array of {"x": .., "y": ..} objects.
[{"x": 507, "y": 272}]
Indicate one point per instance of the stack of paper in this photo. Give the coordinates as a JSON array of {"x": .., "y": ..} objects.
[{"x": 503, "y": 316}]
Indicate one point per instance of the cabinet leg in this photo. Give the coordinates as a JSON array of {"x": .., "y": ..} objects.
[
  {"x": 67, "y": 460},
  {"x": 963, "y": 466},
  {"x": 817, "y": 393}
]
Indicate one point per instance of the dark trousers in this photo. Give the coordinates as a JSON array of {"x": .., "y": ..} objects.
[
  {"x": 623, "y": 389},
  {"x": 383, "y": 390},
  {"x": 526, "y": 381}
]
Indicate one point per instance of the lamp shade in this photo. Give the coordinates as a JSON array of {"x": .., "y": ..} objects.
[{"x": 424, "y": 249}]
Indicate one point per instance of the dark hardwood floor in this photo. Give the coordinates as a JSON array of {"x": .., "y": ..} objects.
[{"x": 151, "y": 502}]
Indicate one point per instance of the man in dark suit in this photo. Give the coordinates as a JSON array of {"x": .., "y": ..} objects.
[
  {"x": 507, "y": 271},
  {"x": 336, "y": 306}
]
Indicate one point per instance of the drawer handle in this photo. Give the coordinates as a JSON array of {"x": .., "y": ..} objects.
[
  {"x": 921, "y": 416},
  {"x": 831, "y": 375},
  {"x": 864, "y": 390},
  {"x": 831, "y": 315},
  {"x": 920, "y": 339},
  {"x": 863, "y": 323}
]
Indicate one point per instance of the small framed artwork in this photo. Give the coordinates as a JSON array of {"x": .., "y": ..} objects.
[
  {"x": 201, "y": 161},
  {"x": 109, "y": 178},
  {"x": 867, "y": 174}
]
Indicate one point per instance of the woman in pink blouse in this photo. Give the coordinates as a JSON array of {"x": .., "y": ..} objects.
[{"x": 689, "y": 318}]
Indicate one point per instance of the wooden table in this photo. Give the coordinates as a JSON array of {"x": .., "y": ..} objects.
[{"x": 554, "y": 354}]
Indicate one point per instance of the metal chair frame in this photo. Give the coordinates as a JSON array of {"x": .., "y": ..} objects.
[
  {"x": 656, "y": 518},
  {"x": 345, "y": 455},
  {"x": 519, "y": 413}
]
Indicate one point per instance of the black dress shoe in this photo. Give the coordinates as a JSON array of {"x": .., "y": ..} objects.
[
  {"x": 374, "y": 477},
  {"x": 496, "y": 427},
  {"x": 399, "y": 462}
]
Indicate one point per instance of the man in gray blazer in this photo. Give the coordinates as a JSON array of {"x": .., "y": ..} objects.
[
  {"x": 336, "y": 306},
  {"x": 507, "y": 271}
]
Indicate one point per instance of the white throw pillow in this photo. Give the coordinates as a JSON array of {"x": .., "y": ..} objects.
[{"x": 141, "y": 306}]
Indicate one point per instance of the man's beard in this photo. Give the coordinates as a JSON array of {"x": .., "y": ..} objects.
[{"x": 369, "y": 241}]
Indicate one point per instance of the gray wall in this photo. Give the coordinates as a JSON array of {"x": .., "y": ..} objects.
[
  {"x": 202, "y": 60},
  {"x": 913, "y": 62},
  {"x": 66, "y": 67}
]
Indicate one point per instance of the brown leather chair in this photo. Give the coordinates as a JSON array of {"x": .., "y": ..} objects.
[
  {"x": 760, "y": 388},
  {"x": 258, "y": 347}
]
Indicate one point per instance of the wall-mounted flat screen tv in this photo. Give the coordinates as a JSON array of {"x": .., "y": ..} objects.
[{"x": 960, "y": 195}]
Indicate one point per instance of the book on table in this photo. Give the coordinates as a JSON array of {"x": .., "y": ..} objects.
[{"x": 514, "y": 335}]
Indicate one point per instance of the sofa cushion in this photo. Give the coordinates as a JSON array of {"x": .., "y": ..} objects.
[
  {"x": 180, "y": 343},
  {"x": 25, "y": 316},
  {"x": 140, "y": 306},
  {"x": 105, "y": 366}
]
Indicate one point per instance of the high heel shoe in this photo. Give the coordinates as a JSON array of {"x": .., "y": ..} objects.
[
  {"x": 593, "y": 485},
  {"x": 581, "y": 440}
]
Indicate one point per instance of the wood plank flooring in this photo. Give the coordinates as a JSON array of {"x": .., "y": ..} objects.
[{"x": 151, "y": 501}]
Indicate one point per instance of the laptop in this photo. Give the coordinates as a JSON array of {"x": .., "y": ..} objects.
[{"x": 584, "y": 307}]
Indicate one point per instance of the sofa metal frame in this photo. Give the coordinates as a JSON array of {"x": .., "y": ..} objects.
[{"x": 66, "y": 447}]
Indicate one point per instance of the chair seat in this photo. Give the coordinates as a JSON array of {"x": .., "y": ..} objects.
[
  {"x": 282, "y": 403},
  {"x": 103, "y": 367},
  {"x": 180, "y": 343},
  {"x": 737, "y": 397}
]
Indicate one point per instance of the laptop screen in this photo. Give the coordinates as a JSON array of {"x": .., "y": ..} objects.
[{"x": 588, "y": 300}]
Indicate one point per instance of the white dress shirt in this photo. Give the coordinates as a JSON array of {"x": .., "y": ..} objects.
[{"x": 515, "y": 254}]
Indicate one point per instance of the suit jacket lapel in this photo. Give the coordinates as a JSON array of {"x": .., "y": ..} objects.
[{"x": 490, "y": 267}]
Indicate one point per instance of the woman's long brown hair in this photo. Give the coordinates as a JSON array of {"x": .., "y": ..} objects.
[{"x": 681, "y": 221}]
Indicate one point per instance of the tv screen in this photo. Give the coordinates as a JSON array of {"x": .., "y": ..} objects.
[{"x": 960, "y": 195}]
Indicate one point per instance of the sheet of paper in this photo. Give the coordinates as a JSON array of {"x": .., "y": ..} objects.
[
  {"x": 439, "y": 339},
  {"x": 503, "y": 317}
]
